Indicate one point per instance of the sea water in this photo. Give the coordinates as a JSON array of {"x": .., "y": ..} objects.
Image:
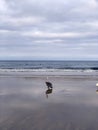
[{"x": 24, "y": 66}]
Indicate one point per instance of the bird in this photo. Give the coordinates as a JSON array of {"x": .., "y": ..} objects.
[
  {"x": 49, "y": 85},
  {"x": 50, "y": 88},
  {"x": 97, "y": 84},
  {"x": 97, "y": 87}
]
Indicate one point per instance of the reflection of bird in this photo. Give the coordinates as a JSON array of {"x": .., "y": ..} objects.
[
  {"x": 97, "y": 91},
  {"x": 49, "y": 90}
]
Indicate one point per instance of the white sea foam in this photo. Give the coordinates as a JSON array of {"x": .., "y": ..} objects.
[{"x": 48, "y": 70}]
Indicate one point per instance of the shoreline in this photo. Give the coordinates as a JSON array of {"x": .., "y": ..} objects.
[{"x": 45, "y": 73}]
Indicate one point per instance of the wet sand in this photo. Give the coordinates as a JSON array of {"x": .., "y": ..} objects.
[{"x": 71, "y": 105}]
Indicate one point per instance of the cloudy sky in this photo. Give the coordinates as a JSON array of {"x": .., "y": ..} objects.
[{"x": 49, "y": 29}]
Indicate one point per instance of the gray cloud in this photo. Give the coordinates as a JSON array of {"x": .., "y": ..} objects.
[{"x": 50, "y": 29}]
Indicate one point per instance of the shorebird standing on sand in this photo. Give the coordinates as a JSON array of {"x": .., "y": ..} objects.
[
  {"x": 97, "y": 87},
  {"x": 50, "y": 88}
]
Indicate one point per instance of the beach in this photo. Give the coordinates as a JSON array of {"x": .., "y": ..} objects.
[{"x": 72, "y": 104}]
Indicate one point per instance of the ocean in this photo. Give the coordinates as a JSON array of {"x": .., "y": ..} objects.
[{"x": 25, "y": 66}]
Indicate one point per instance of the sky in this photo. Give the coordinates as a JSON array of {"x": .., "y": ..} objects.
[{"x": 48, "y": 29}]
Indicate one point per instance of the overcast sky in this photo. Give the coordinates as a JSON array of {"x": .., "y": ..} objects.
[{"x": 49, "y": 29}]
